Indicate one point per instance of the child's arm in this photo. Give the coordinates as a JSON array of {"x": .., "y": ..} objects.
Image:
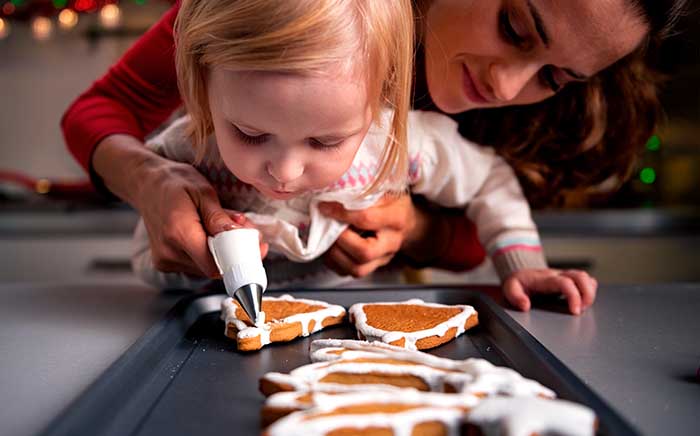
[
  {"x": 505, "y": 227},
  {"x": 454, "y": 172}
]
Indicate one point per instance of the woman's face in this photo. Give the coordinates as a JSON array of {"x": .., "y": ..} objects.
[{"x": 491, "y": 53}]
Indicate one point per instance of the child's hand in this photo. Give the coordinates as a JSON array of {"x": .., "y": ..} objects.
[
  {"x": 240, "y": 220},
  {"x": 578, "y": 287}
]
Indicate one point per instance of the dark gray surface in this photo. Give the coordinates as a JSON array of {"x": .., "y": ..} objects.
[
  {"x": 637, "y": 347},
  {"x": 56, "y": 339}
]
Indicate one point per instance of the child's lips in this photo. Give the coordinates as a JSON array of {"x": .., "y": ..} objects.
[{"x": 280, "y": 194}]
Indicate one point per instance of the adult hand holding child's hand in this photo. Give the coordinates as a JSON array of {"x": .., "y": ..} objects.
[
  {"x": 390, "y": 220},
  {"x": 180, "y": 208}
]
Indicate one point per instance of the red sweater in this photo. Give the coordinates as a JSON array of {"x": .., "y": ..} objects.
[{"x": 140, "y": 92}]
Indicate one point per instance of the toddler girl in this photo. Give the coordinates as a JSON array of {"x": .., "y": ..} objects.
[{"x": 304, "y": 101}]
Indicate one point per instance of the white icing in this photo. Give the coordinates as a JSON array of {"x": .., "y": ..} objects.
[
  {"x": 372, "y": 333},
  {"x": 495, "y": 416},
  {"x": 260, "y": 319},
  {"x": 263, "y": 328},
  {"x": 308, "y": 377},
  {"x": 290, "y": 400},
  {"x": 449, "y": 409},
  {"x": 519, "y": 416},
  {"x": 482, "y": 376}
]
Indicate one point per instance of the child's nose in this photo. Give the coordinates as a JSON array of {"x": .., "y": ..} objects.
[{"x": 285, "y": 170}]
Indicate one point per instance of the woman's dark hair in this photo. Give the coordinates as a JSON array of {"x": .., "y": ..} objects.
[{"x": 588, "y": 133}]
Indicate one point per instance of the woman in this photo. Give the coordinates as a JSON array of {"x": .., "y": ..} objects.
[{"x": 560, "y": 88}]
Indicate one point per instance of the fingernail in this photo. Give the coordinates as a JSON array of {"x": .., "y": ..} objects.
[
  {"x": 577, "y": 310},
  {"x": 238, "y": 217}
]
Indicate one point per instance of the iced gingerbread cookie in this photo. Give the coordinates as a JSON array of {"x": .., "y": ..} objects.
[
  {"x": 475, "y": 376},
  {"x": 346, "y": 366},
  {"x": 281, "y": 319},
  {"x": 412, "y": 324},
  {"x": 381, "y": 413},
  {"x": 284, "y": 403},
  {"x": 515, "y": 416}
]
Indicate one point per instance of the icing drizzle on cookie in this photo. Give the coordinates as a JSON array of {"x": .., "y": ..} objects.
[
  {"x": 330, "y": 412},
  {"x": 263, "y": 327},
  {"x": 372, "y": 333},
  {"x": 518, "y": 416},
  {"x": 473, "y": 376},
  {"x": 483, "y": 377}
]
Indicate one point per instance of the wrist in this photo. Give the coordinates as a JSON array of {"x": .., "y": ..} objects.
[
  {"x": 428, "y": 237},
  {"x": 122, "y": 164},
  {"x": 508, "y": 262}
]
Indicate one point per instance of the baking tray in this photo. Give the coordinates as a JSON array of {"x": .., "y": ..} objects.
[{"x": 184, "y": 377}]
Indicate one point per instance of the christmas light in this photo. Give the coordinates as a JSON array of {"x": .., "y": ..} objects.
[
  {"x": 67, "y": 19},
  {"x": 84, "y": 5},
  {"x": 60, "y": 4},
  {"x": 110, "y": 16},
  {"x": 8, "y": 8},
  {"x": 647, "y": 175},
  {"x": 654, "y": 143},
  {"x": 42, "y": 28},
  {"x": 4, "y": 28}
]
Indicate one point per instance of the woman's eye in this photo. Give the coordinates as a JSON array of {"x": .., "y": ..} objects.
[
  {"x": 508, "y": 31},
  {"x": 250, "y": 139},
  {"x": 547, "y": 78}
]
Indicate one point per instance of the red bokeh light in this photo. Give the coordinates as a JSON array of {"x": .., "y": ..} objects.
[
  {"x": 8, "y": 8},
  {"x": 84, "y": 5}
]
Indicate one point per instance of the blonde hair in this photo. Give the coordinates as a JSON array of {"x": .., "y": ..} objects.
[{"x": 301, "y": 37}]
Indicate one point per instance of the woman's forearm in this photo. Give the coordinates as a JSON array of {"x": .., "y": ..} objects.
[
  {"x": 120, "y": 161},
  {"x": 428, "y": 238},
  {"x": 442, "y": 239}
]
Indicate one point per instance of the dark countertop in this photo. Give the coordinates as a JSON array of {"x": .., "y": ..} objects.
[{"x": 638, "y": 347}]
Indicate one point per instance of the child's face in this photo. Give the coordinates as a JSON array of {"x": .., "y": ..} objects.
[{"x": 287, "y": 134}]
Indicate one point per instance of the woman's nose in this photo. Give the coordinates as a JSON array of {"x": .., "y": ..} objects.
[
  {"x": 508, "y": 80},
  {"x": 285, "y": 170}
]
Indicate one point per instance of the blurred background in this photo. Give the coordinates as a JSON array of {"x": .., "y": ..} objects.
[{"x": 51, "y": 50}]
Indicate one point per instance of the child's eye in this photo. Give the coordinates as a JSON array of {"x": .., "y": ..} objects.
[
  {"x": 508, "y": 31},
  {"x": 328, "y": 145},
  {"x": 548, "y": 79},
  {"x": 250, "y": 139}
]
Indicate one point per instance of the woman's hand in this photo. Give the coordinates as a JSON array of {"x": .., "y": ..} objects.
[
  {"x": 393, "y": 224},
  {"x": 179, "y": 206},
  {"x": 576, "y": 286}
]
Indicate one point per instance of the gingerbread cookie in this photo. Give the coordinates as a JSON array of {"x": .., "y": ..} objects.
[
  {"x": 412, "y": 324},
  {"x": 530, "y": 416},
  {"x": 484, "y": 378},
  {"x": 411, "y": 413},
  {"x": 281, "y": 319},
  {"x": 346, "y": 365}
]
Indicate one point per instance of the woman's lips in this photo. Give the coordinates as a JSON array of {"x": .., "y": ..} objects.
[{"x": 470, "y": 88}]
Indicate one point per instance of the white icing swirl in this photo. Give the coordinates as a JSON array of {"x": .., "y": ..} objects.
[
  {"x": 263, "y": 328},
  {"x": 519, "y": 416},
  {"x": 372, "y": 333},
  {"x": 449, "y": 409}
]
